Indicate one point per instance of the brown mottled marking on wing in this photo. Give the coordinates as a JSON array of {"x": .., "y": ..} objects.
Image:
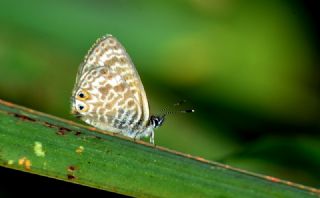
[
  {"x": 103, "y": 97},
  {"x": 108, "y": 106},
  {"x": 105, "y": 89},
  {"x": 111, "y": 61},
  {"x": 130, "y": 103},
  {"x": 101, "y": 111},
  {"x": 121, "y": 102},
  {"x": 99, "y": 55},
  {"x": 89, "y": 78},
  {"x": 119, "y": 88},
  {"x": 110, "y": 76},
  {"x": 94, "y": 73},
  {"x": 111, "y": 41},
  {"x": 103, "y": 71},
  {"x": 85, "y": 85},
  {"x": 111, "y": 113},
  {"x": 113, "y": 102},
  {"x": 111, "y": 95},
  {"x": 97, "y": 104},
  {"x": 102, "y": 118}
]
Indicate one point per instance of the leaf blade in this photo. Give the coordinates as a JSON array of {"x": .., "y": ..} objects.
[{"x": 82, "y": 155}]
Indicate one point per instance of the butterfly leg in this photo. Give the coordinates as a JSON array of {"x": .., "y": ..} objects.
[
  {"x": 135, "y": 137},
  {"x": 152, "y": 138}
]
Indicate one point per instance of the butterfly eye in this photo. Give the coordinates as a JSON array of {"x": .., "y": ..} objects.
[{"x": 82, "y": 95}]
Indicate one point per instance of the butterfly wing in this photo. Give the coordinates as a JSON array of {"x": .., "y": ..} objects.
[{"x": 109, "y": 74}]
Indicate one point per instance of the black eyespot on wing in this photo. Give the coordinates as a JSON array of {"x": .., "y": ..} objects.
[
  {"x": 81, "y": 107},
  {"x": 81, "y": 95}
]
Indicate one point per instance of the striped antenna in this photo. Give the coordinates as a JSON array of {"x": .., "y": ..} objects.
[{"x": 166, "y": 112}]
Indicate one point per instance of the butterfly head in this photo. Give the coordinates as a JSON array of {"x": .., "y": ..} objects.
[{"x": 156, "y": 121}]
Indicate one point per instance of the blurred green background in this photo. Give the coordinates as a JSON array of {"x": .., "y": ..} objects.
[{"x": 249, "y": 68}]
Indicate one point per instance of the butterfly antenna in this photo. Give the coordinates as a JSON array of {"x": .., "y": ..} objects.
[
  {"x": 178, "y": 111},
  {"x": 157, "y": 120},
  {"x": 179, "y": 103}
]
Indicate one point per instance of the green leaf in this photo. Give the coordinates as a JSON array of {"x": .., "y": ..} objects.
[{"x": 45, "y": 145}]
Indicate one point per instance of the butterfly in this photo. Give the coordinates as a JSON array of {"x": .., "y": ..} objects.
[{"x": 109, "y": 95}]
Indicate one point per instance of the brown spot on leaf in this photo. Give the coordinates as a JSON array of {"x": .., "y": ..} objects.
[
  {"x": 63, "y": 131},
  {"x": 47, "y": 124},
  {"x": 71, "y": 177},
  {"x": 71, "y": 168},
  {"x": 24, "y": 118},
  {"x": 77, "y": 133}
]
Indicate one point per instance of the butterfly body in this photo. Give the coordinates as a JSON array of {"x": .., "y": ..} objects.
[{"x": 109, "y": 95}]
